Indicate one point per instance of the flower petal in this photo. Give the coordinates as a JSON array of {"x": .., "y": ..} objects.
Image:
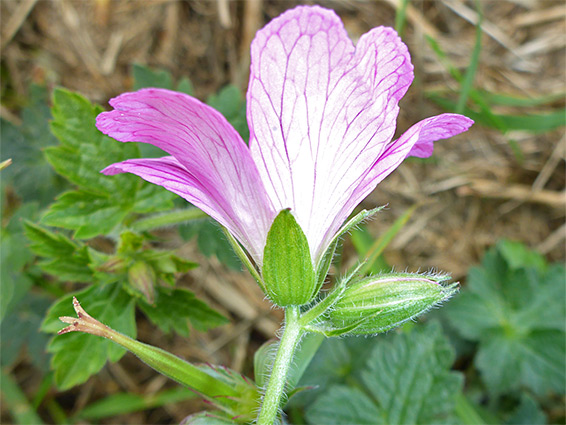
[
  {"x": 419, "y": 139},
  {"x": 320, "y": 112},
  {"x": 437, "y": 128},
  {"x": 212, "y": 167}
]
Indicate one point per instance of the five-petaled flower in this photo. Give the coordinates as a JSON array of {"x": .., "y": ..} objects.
[{"x": 321, "y": 112}]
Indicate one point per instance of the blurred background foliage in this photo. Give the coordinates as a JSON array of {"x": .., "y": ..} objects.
[{"x": 489, "y": 208}]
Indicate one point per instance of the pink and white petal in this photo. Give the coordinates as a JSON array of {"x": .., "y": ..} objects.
[
  {"x": 320, "y": 111},
  {"x": 297, "y": 61},
  {"x": 173, "y": 176},
  {"x": 443, "y": 127},
  {"x": 207, "y": 147},
  {"x": 419, "y": 138}
]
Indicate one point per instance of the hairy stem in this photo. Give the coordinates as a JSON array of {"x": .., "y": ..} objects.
[{"x": 292, "y": 333}]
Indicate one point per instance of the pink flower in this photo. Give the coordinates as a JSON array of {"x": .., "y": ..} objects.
[{"x": 322, "y": 116}]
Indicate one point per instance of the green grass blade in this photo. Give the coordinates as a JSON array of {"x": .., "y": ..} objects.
[
  {"x": 535, "y": 123},
  {"x": 124, "y": 403},
  {"x": 16, "y": 402},
  {"x": 381, "y": 243},
  {"x": 469, "y": 414},
  {"x": 476, "y": 96},
  {"x": 401, "y": 17},
  {"x": 521, "y": 102},
  {"x": 468, "y": 81}
]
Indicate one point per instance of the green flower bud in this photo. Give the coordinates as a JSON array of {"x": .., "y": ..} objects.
[
  {"x": 142, "y": 279},
  {"x": 114, "y": 265},
  {"x": 378, "y": 303}
]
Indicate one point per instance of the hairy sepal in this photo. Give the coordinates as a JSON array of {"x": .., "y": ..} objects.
[{"x": 288, "y": 273}]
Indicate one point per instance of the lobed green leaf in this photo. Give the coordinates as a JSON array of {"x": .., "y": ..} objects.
[
  {"x": 405, "y": 378},
  {"x": 517, "y": 315},
  {"x": 174, "y": 308}
]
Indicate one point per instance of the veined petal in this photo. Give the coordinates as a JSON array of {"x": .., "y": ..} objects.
[
  {"x": 320, "y": 112},
  {"x": 437, "y": 128},
  {"x": 212, "y": 167},
  {"x": 416, "y": 141}
]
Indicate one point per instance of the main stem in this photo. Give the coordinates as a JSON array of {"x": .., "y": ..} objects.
[{"x": 292, "y": 333}]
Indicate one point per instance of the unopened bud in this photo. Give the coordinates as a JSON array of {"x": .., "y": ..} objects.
[
  {"x": 114, "y": 265},
  {"x": 142, "y": 278},
  {"x": 388, "y": 300}
]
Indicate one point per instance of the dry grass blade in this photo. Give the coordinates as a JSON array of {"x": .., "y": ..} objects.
[
  {"x": 518, "y": 192},
  {"x": 16, "y": 21}
]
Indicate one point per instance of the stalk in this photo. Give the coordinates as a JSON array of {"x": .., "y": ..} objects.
[
  {"x": 169, "y": 218},
  {"x": 292, "y": 333},
  {"x": 162, "y": 361}
]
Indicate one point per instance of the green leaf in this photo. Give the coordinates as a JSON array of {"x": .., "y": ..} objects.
[
  {"x": 31, "y": 176},
  {"x": 406, "y": 379},
  {"x": 517, "y": 315},
  {"x": 14, "y": 256},
  {"x": 83, "y": 150},
  {"x": 306, "y": 351},
  {"x": 206, "y": 418},
  {"x": 334, "y": 363},
  {"x": 186, "y": 86},
  {"x": 101, "y": 202},
  {"x": 21, "y": 329},
  {"x": 211, "y": 241},
  {"x": 77, "y": 356},
  {"x": 173, "y": 308},
  {"x": 469, "y": 413},
  {"x": 519, "y": 256},
  {"x": 527, "y": 413},
  {"x": 288, "y": 272},
  {"x": 355, "y": 407},
  {"x": 230, "y": 102},
  {"x": 123, "y": 403},
  {"x": 64, "y": 259},
  {"x": 88, "y": 214},
  {"x": 16, "y": 402},
  {"x": 147, "y": 77},
  {"x": 152, "y": 198}
]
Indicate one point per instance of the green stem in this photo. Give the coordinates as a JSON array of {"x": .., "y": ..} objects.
[
  {"x": 292, "y": 333},
  {"x": 167, "y": 219},
  {"x": 175, "y": 368},
  {"x": 162, "y": 361}
]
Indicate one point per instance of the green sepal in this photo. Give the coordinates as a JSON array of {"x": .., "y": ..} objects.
[
  {"x": 328, "y": 329},
  {"x": 326, "y": 260},
  {"x": 288, "y": 273},
  {"x": 239, "y": 251}
]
